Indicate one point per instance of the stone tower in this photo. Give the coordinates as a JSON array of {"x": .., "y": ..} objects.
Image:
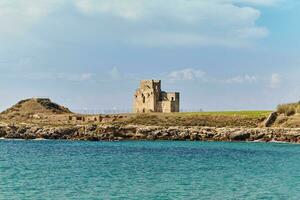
[{"x": 150, "y": 98}]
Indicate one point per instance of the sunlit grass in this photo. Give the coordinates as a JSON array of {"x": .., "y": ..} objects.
[
  {"x": 256, "y": 113},
  {"x": 212, "y": 119}
]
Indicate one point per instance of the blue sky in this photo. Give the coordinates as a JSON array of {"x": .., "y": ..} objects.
[{"x": 91, "y": 54}]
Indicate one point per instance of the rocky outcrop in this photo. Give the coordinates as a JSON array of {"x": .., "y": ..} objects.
[
  {"x": 111, "y": 132},
  {"x": 240, "y": 135},
  {"x": 271, "y": 119}
]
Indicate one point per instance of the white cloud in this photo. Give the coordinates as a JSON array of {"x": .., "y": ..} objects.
[
  {"x": 85, "y": 76},
  {"x": 18, "y": 16},
  {"x": 129, "y": 9},
  {"x": 275, "y": 80},
  {"x": 181, "y": 22},
  {"x": 59, "y": 76},
  {"x": 115, "y": 73},
  {"x": 190, "y": 74},
  {"x": 230, "y": 23},
  {"x": 258, "y": 2},
  {"x": 186, "y": 75},
  {"x": 72, "y": 76},
  {"x": 242, "y": 79}
]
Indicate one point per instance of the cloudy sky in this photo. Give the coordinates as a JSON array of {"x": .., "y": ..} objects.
[{"x": 91, "y": 54}]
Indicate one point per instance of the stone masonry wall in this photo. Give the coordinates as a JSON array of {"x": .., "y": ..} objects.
[{"x": 149, "y": 98}]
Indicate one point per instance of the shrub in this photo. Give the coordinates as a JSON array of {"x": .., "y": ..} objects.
[{"x": 288, "y": 109}]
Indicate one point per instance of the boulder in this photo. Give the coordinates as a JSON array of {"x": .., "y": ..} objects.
[
  {"x": 271, "y": 119},
  {"x": 240, "y": 136}
]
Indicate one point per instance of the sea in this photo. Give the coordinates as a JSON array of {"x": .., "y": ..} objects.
[{"x": 148, "y": 170}]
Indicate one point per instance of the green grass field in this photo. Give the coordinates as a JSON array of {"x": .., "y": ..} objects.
[
  {"x": 213, "y": 119},
  {"x": 258, "y": 113}
]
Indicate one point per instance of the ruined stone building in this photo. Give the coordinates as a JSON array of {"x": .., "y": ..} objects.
[
  {"x": 85, "y": 119},
  {"x": 150, "y": 98}
]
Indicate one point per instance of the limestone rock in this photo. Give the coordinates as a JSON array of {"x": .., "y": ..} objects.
[{"x": 240, "y": 136}]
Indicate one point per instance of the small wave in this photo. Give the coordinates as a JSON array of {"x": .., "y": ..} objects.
[
  {"x": 14, "y": 139},
  {"x": 276, "y": 141},
  {"x": 39, "y": 139}
]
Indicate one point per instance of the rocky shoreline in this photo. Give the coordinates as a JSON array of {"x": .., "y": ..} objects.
[{"x": 133, "y": 132}]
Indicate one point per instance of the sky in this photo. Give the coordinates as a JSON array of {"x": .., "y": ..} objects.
[{"x": 89, "y": 55}]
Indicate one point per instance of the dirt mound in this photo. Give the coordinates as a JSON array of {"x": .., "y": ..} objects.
[{"x": 36, "y": 106}]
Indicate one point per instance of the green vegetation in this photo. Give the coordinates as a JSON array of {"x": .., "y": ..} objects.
[
  {"x": 289, "y": 109},
  {"x": 212, "y": 119},
  {"x": 258, "y": 113}
]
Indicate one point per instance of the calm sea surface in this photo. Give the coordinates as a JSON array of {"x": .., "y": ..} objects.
[{"x": 148, "y": 170}]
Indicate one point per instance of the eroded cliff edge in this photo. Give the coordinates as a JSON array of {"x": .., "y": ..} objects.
[{"x": 135, "y": 132}]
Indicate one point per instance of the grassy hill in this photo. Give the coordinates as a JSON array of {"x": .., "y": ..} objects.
[{"x": 27, "y": 108}]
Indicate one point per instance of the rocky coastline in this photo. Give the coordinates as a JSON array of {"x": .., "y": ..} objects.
[{"x": 135, "y": 132}]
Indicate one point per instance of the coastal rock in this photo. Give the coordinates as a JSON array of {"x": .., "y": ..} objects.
[
  {"x": 135, "y": 132},
  {"x": 240, "y": 136},
  {"x": 3, "y": 132},
  {"x": 271, "y": 119}
]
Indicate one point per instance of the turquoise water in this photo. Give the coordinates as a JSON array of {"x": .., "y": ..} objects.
[{"x": 148, "y": 170}]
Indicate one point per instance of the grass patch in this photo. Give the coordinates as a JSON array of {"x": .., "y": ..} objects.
[
  {"x": 213, "y": 119},
  {"x": 259, "y": 113},
  {"x": 289, "y": 109}
]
